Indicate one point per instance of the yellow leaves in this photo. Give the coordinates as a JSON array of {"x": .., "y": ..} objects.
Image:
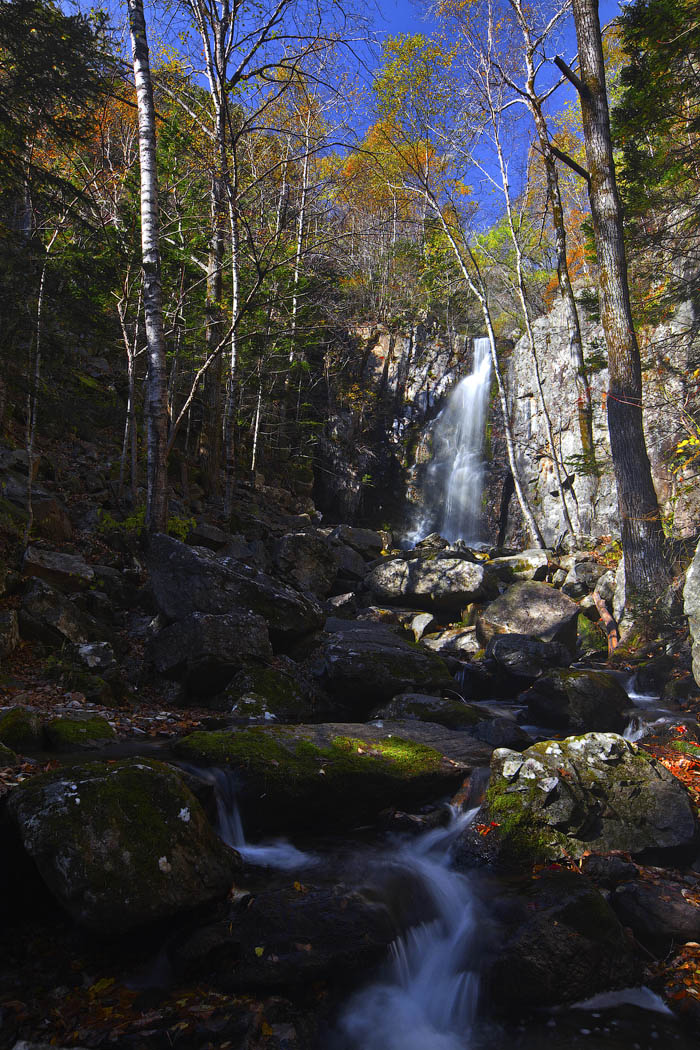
[{"x": 259, "y": 952}]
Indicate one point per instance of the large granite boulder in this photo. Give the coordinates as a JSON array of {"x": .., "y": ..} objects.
[
  {"x": 120, "y": 844},
  {"x": 534, "y": 609},
  {"x": 451, "y": 713},
  {"x": 204, "y": 651},
  {"x": 365, "y": 541},
  {"x": 191, "y": 579},
  {"x": 595, "y": 793},
  {"x": 308, "y": 561},
  {"x": 363, "y": 664},
  {"x": 691, "y": 603},
  {"x": 280, "y": 693},
  {"x": 67, "y": 572},
  {"x": 659, "y": 912},
  {"x": 566, "y": 945},
  {"x": 46, "y": 615},
  {"x": 526, "y": 565},
  {"x": 524, "y": 658},
  {"x": 324, "y": 776},
  {"x": 434, "y": 581},
  {"x": 578, "y": 701}
]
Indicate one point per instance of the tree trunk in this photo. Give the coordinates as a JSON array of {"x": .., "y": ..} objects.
[
  {"x": 156, "y": 399},
  {"x": 643, "y": 544}
]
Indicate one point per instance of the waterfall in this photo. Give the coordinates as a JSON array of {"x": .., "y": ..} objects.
[
  {"x": 455, "y": 481},
  {"x": 428, "y": 999}
]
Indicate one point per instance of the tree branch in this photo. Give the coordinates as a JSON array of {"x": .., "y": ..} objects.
[{"x": 570, "y": 75}]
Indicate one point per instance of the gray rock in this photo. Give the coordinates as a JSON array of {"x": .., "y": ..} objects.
[
  {"x": 436, "y": 582},
  {"x": 204, "y": 651},
  {"x": 206, "y": 535},
  {"x": 365, "y": 541},
  {"x": 190, "y": 579},
  {"x": 420, "y": 624},
  {"x": 524, "y": 657},
  {"x": 527, "y": 565},
  {"x": 605, "y": 586},
  {"x": 659, "y": 912},
  {"x": 45, "y": 615},
  {"x": 691, "y": 607},
  {"x": 120, "y": 844},
  {"x": 595, "y": 793},
  {"x": 308, "y": 561},
  {"x": 99, "y": 657},
  {"x": 453, "y": 640},
  {"x": 579, "y": 700},
  {"x": 582, "y": 578},
  {"x": 351, "y": 565},
  {"x": 67, "y": 572},
  {"x": 503, "y": 732},
  {"x": 534, "y": 609},
  {"x": 451, "y": 713}
]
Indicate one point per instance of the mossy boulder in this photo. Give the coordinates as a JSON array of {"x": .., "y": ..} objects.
[
  {"x": 453, "y": 714},
  {"x": 566, "y": 945},
  {"x": 579, "y": 700},
  {"x": 78, "y": 734},
  {"x": 324, "y": 776},
  {"x": 591, "y": 636},
  {"x": 20, "y": 730},
  {"x": 120, "y": 844},
  {"x": 596, "y": 792},
  {"x": 265, "y": 694}
]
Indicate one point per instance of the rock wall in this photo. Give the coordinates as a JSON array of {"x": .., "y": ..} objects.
[{"x": 670, "y": 356}]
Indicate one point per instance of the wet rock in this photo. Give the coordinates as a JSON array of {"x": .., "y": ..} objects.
[
  {"x": 364, "y": 664},
  {"x": 503, "y": 732},
  {"x": 436, "y": 581},
  {"x": 67, "y": 572},
  {"x": 594, "y": 793},
  {"x": 204, "y": 651},
  {"x": 568, "y": 946},
  {"x": 186, "y": 580},
  {"x": 453, "y": 714},
  {"x": 9, "y": 632},
  {"x": 46, "y": 615},
  {"x": 78, "y": 734},
  {"x": 20, "y": 729},
  {"x": 120, "y": 844},
  {"x": 533, "y": 609},
  {"x": 288, "y": 937},
  {"x": 365, "y": 541},
  {"x": 324, "y": 776},
  {"x": 308, "y": 561},
  {"x": 659, "y": 912},
  {"x": 527, "y": 565},
  {"x": 579, "y": 700},
  {"x": 524, "y": 658}
]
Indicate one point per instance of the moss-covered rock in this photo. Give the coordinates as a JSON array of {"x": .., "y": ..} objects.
[
  {"x": 78, "y": 734},
  {"x": 120, "y": 844},
  {"x": 20, "y": 729},
  {"x": 579, "y": 700},
  {"x": 453, "y": 714},
  {"x": 324, "y": 775},
  {"x": 264, "y": 694},
  {"x": 7, "y": 756},
  {"x": 597, "y": 792},
  {"x": 591, "y": 636}
]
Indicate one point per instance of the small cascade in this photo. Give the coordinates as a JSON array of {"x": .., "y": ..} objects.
[
  {"x": 277, "y": 853},
  {"x": 428, "y": 998},
  {"x": 454, "y": 486}
]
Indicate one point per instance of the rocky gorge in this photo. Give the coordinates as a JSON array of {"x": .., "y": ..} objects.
[{"x": 472, "y": 787}]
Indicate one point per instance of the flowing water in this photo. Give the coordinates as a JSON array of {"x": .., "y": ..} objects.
[
  {"x": 427, "y": 999},
  {"x": 453, "y": 493}
]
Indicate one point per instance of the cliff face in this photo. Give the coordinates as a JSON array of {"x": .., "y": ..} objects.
[{"x": 670, "y": 356}]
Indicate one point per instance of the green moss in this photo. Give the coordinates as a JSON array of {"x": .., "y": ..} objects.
[
  {"x": 449, "y": 713},
  {"x": 20, "y": 729},
  {"x": 591, "y": 636},
  {"x": 71, "y": 734},
  {"x": 686, "y": 747},
  {"x": 523, "y": 840},
  {"x": 257, "y": 691}
]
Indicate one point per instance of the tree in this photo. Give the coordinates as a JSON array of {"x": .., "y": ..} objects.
[
  {"x": 643, "y": 544},
  {"x": 156, "y": 405}
]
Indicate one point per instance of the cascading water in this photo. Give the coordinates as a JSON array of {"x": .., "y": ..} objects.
[
  {"x": 428, "y": 999},
  {"x": 455, "y": 479}
]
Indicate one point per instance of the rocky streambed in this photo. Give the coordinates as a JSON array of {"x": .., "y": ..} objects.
[{"x": 396, "y": 805}]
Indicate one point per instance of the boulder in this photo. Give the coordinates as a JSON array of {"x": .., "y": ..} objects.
[
  {"x": 9, "y": 632},
  {"x": 204, "y": 651},
  {"x": 78, "y": 734},
  {"x": 594, "y": 793},
  {"x": 363, "y": 664},
  {"x": 579, "y": 700},
  {"x": 186, "y": 580},
  {"x": 421, "y": 623},
  {"x": 527, "y": 565},
  {"x": 503, "y": 732},
  {"x": 582, "y": 578},
  {"x": 453, "y": 714},
  {"x": 280, "y": 693},
  {"x": 434, "y": 581},
  {"x": 324, "y": 776},
  {"x": 534, "y": 609},
  {"x": 659, "y": 912},
  {"x": 568, "y": 945},
  {"x": 691, "y": 606},
  {"x": 365, "y": 541},
  {"x": 98, "y": 657},
  {"x": 206, "y": 535},
  {"x": 351, "y": 565},
  {"x": 7, "y": 756},
  {"x": 524, "y": 658},
  {"x": 308, "y": 561},
  {"x": 67, "y": 572},
  {"x": 120, "y": 844},
  {"x": 455, "y": 640},
  {"x": 46, "y": 615},
  {"x": 20, "y": 729},
  {"x": 287, "y": 937}
]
